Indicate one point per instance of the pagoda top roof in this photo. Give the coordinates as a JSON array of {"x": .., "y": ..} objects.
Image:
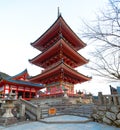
[
  {"x": 59, "y": 28},
  {"x": 58, "y": 68}
]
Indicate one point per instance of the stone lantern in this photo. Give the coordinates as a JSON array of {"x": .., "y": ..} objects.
[
  {"x": 8, "y": 118},
  {"x": 65, "y": 99},
  {"x": 65, "y": 92},
  {"x": 8, "y": 106}
]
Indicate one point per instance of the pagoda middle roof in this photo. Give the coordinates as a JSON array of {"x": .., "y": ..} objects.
[
  {"x": 59, "y": 27},
  {"x": 61, "y": 67},
  {"x": 68, "y": 50}
]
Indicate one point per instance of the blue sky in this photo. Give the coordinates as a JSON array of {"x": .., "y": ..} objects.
[{"x": 23, "y": 21}]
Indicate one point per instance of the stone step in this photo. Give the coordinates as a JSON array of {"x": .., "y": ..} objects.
[{"x": 30, "y": 115}]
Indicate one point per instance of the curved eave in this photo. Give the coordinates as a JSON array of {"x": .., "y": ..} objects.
[
  {"x": 71, "y": 71},
  {"x": 79, "y": 43},
  {"x": 45, "y": 54},
  {"x": 59, "y": 26},
  {"x": 23, "y": 73},
  {"x": 66, "y": 49},
  {"x": 60, "y": 67},
  {"x": 22, "y": 83},
  {"x": 39, "y": 41}
]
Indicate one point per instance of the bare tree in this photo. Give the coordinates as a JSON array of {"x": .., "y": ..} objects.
[{"x": 106, "y": 35}]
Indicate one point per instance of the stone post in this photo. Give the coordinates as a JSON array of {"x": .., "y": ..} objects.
[
  {"x": 118, "y": 100},
  {"x": 91, "y": 99},
  {"x": 109, "y": 100},
  {"x": 22, "y": 110},
  {"x": 100, "y": 98},
  {"x": 38, "y": 113},
  {"x": 104, "y": 100},
  {"x": 114, "y": 100}
]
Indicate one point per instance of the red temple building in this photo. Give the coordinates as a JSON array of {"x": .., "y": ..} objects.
[
  {"x": 20, "y": 85},
  {"x": 59, "y": 57}
]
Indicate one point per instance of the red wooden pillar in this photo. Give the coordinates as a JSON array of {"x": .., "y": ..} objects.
[
  {"x": 35, "y": 92},
  {"x": 9, "y": 89},
  {"x": 17, "y": 92},
  {"x": 24, "y": 93},
  {"x": 30, "y": 93},
  {"x": 46, "y": 90},
  {"x": 4, "y": 91}
]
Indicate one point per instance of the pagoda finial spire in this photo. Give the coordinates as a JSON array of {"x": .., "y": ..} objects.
[{"x": 59, "y": 12}]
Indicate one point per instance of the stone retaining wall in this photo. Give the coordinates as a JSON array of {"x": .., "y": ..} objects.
[{"x": 107, "y": 114}]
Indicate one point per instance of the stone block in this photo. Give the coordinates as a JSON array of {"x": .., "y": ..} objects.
[
  {"x": 101, "y": 113},
  {"x": 117, "y": 122},
  {"x": 118, "y": 116},
  {"x": 107, "y": 121},
  {"x": 7, "y": 121},
  {"x": 95, "y": 110},
  {"x": 102, "y": 108},
  {"x": 114, "y": 109},
  {"x": 111, "y": 116},
  {"x": 96, "y": 116}
]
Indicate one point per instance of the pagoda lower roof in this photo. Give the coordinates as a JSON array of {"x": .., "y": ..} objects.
[
  {"x": 60, "y": 68},
  {"x": 66, "y": 49},
  {"x": 60, "y": 27}
]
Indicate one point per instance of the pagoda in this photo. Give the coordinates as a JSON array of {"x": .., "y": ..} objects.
[{"x": 59, "y": 57}]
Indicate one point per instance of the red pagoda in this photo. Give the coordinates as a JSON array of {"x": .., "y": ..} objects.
[{"x": 59, "y": 58}]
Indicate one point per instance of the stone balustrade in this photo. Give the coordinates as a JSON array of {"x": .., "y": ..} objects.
[
  {"x": 107, "y": 109},
  {"x": 32, "y": 108},
  {"x": 109, "y": 99}
]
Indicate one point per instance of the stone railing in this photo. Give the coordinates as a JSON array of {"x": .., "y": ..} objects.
[
  {"x": 33, "y": 110},
  {"x": 108, "y": 99}
]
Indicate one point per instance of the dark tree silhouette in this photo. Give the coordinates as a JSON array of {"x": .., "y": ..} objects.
[{"x": 105, "y": 34}]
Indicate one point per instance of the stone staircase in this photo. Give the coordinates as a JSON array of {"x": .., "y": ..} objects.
[
  {"x": 78, "y": 110},
  {"x": 37, "y": 111}
]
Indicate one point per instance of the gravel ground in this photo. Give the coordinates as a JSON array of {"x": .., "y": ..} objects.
[
  {"x": 43, "y": 126},
  {"x": 65, "y": 118}
]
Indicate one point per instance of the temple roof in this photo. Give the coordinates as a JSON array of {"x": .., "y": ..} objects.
[
  {"x": 14, "y": 81},
  {"x": 66, "y": 49},
  {"x": 21, "y": 82},
  {"x": 58, "y": 69},
  {"x": 3, "y": 75},
  {"x": 59, "y": 29},
  {"x": 24, "y": 73}
]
